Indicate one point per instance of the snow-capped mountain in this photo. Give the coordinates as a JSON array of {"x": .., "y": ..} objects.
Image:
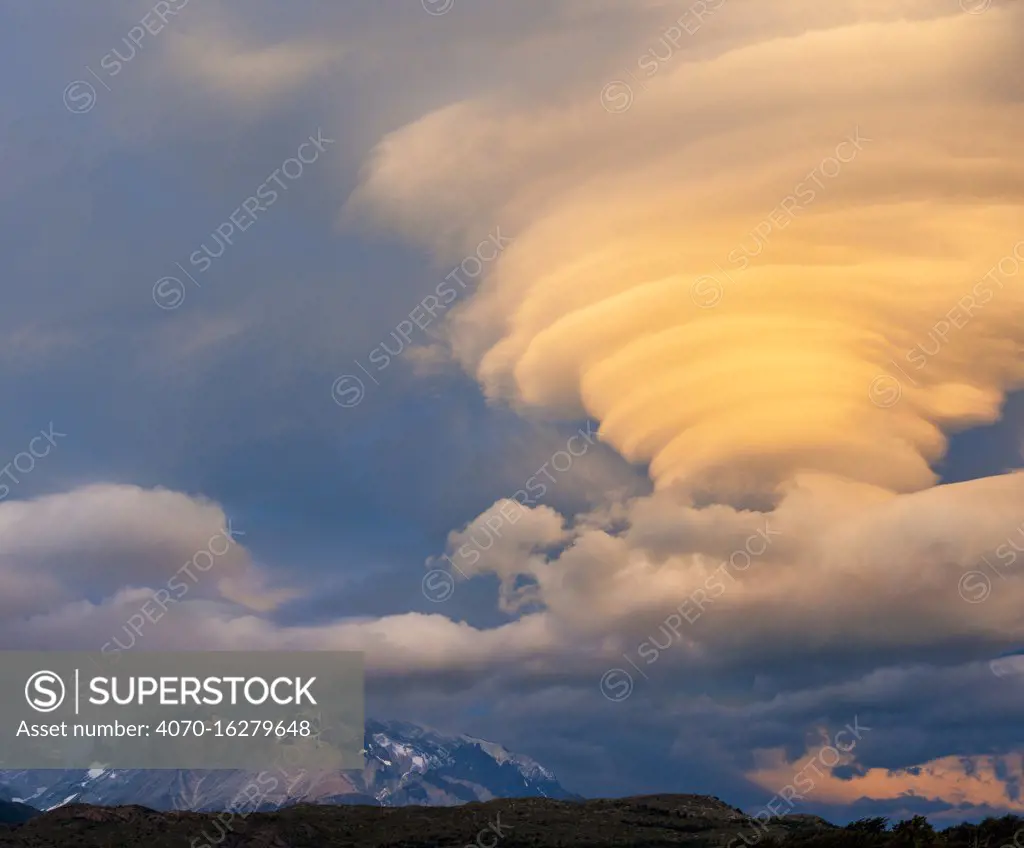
[{"x": 405, "y": 764}]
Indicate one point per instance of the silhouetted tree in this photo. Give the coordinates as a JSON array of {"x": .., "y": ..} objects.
[
  {"x": 873, "y": 824},
  {"x": 915, "y": 832}
]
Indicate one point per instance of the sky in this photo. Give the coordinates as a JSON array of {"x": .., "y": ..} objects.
[{"x": 633, "y": 381}]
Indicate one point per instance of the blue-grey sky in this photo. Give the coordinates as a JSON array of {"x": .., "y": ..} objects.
[{"x": 563, "y": 184}]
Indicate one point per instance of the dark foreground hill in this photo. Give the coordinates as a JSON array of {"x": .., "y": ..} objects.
[
  {"x": 508, "y": 823},
  {"x": 658, "y": 821},
  {"x": 12, "y": 812}
]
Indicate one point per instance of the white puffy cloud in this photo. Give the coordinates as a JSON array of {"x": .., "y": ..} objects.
[{"x": 94, "y": 555}]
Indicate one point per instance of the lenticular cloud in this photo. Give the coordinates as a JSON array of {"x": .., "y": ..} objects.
[
  {"x": 780, "y": 272},
  {"x": 801, "y": 253}
]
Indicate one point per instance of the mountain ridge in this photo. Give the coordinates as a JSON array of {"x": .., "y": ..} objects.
[{"x": 404, "y": 764}]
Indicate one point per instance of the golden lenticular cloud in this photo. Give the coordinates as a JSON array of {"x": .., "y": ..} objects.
[{"x": 804, "y": 253}]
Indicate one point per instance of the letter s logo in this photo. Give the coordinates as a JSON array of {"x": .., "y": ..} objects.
[{"x": 45, "y": 691}]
